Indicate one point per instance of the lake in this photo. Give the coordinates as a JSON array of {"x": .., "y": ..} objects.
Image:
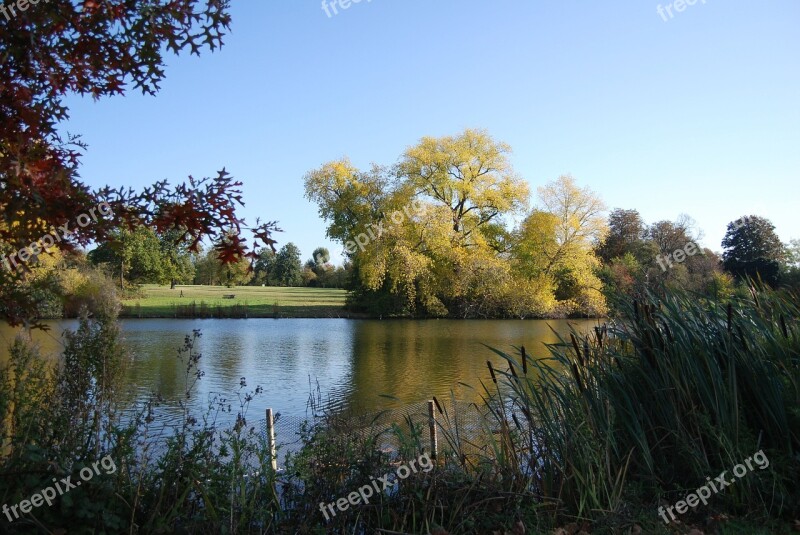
[{"x": 366, "y": 365}]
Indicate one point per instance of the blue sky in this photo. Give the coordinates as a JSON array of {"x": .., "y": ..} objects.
[{"x": 698, "y": 114}]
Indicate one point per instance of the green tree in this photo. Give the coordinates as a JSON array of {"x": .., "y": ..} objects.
[
  {"x": 207, "y": 269},
  {"x": 317, "y": 269},
  {"x": 665, "y": 238},
  {"x": 134, "y": 255},
  {"x": 264, "y": 269},
  {"x": 792, "y": 254},
  {"x": 178, "y": 267},
  {"x": 321, "y": 256},
  {"x": 536, "y": 249},
  {"x": 212, "y": 271},
  {"x": 622, "y": 276},
  {"x": 752, "y": 249},
  {"x": 288, "y": 267}
]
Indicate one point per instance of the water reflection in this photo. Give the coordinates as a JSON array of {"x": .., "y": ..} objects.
[{"x": 354, "y": 361}]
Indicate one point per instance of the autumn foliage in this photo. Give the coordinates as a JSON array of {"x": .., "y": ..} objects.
[{"x": 99, "y": 48}]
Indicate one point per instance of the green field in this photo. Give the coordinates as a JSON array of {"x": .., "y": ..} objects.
[{"x": 186, "y": 301}]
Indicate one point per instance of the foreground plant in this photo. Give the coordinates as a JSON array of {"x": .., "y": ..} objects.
[{"x": 676, "y": 391}]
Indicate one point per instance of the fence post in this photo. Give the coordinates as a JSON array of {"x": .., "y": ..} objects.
[
  {"x": 432, "y": 425},
  {"x": 271, "y": 440}
]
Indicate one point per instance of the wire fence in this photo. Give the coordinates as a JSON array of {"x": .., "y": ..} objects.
[{"x": 439, "y": 426}]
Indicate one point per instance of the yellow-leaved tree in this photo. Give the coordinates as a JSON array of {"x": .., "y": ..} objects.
[{"x": 565, "y": 231}]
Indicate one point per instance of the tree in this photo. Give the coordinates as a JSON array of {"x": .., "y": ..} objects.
[
  {"x": 341, "y": 276},
  {"x": 790, "y": 274},
  {"x": 317, "y": 270},
  {"x": 264, "y": 269},
  {"x": 626, "y": 234},
  {"x": 622, "y": 276},
  {"x": 141, "y": 257},
  {"x": 236, "y": 273},
  {"x": 178, "y": 267},
  {"x": 428, "y": 225},
  {"x": 288, "y": 267},
  {"x": 469, "y": 174},
  {"x": 207, "y": 269},
  {"x": 321, "y": 256},
  {"x": 134, "y": 256},
  {"x": 212, "y": 271},
  {"x": 792, "y": 251},
  {"x": 579, "y": 228},
  {"x": 536, "y": 246},
  {"x": 348, "y": 198},
  {"x": 670, "y": 236},
  {"x": 579, "y": 212},
  {"x": 98, "y": 49},
  {"x": 752, "y": 249}
]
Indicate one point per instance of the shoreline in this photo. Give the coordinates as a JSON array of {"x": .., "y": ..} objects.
[{"x": 325, "y": 314}]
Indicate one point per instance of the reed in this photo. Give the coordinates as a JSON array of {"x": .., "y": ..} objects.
[{"x": 678, "y": 389}]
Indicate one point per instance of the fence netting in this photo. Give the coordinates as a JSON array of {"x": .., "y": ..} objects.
[{"x": 465, "y": 428}]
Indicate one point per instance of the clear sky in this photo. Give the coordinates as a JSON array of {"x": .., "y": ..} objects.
[{"x": 696, "y": 114}]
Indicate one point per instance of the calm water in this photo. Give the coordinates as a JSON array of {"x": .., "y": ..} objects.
[{"x": 357, "y": 363}]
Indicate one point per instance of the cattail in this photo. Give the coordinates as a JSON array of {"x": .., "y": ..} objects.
[
  {"x": 578, "y": 377},
  {"x": 783, "y": 327},
  {"x": 598, "y": 332},
  {"x": 438, "y": 407},
  {"x": 577, "y": 350},
  {"x": 516, "y": 422},
  {"x": 524, "y": 362},
  {"x": 491, "y": 371},
  {"x": 511, "y": 367}
]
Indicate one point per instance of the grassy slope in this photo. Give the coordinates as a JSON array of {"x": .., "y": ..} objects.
[{"x": 161, "y": 302}]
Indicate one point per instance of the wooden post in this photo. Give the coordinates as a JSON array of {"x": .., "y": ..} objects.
[
  {"x": 271, "y": 440},
  {"x": 432, "y": 425}
]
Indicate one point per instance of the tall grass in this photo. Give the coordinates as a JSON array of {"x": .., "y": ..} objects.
[{"x": 677, "y": 390}]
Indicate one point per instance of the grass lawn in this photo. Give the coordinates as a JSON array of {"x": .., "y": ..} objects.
[{"x": 249, "y": 302}]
